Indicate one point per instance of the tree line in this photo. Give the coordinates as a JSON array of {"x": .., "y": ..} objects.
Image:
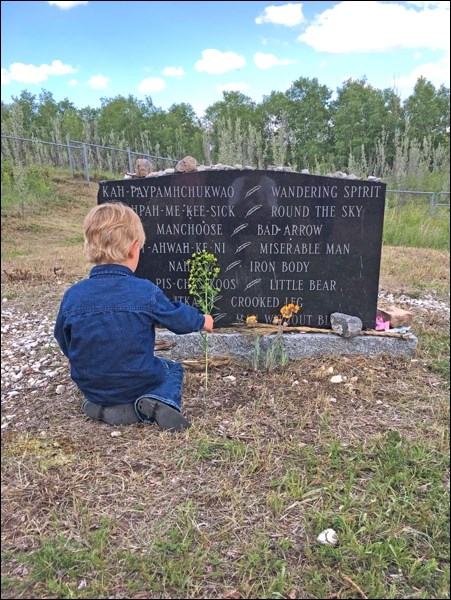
[{"x": 359, "y": 128}]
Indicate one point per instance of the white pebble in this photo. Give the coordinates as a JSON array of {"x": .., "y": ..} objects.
[{"x": 328, "y": 537}]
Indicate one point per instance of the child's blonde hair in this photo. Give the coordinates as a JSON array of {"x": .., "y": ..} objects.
[{"x": 110, "y": 230}]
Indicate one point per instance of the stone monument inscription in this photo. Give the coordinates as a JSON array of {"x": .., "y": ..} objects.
[{"x": 279, "y": 238}]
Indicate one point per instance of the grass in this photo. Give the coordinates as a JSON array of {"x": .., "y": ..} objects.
[
  {"x": 412, "y": 225},
  {"x": 232, "y": 507},
  {"x": 254, "y": 533},
  {"x": 430, "y": 275}
]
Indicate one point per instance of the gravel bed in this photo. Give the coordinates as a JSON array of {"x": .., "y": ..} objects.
[{"x": 32, "y": 361}]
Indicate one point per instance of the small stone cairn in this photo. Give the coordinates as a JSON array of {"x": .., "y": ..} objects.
[{"x": 144, "y": 168}]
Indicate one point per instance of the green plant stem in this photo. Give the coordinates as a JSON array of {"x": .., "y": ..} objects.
[
  {"x": 201, "y": 285},
  {"x": 206, "y": 344},
  {"x": 206, "y": 361}
]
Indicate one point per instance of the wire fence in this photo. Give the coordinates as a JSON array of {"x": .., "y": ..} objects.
[
  {"x": 81, "y": 157},
  {"x": 78, "y": 157},
  {"x": 397, "y": 198}
]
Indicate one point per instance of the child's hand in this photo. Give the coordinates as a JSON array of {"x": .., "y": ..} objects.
[{"x": 208, "y": 325}]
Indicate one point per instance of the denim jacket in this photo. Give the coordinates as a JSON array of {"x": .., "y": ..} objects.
[{"x": 106, "y": 327}]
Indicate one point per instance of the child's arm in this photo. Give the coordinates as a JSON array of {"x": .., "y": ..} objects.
[
  {"x": 178, "y": 317},
  {"x": 60, "y": 333}
]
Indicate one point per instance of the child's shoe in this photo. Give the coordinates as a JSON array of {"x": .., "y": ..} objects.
[
  {"x": 165, "y": 416},
  {"x": 116, "y": 414}
]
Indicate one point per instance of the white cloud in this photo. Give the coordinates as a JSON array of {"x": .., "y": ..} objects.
[
  {"x": 372, "y": 26},
  {"x": 34, "y": 74},
  {"x": 266, "y": 61},
  {"x": 5, "y": 77},
  {"x": 98, "y": 82},
  {"x": 66, "y": 5},
  {"x": 436, "y": 73},
  {"x": 173, "y": 71},
  {"x": 217, "y": 62},
  {"x": 288, "y": 15},
  {"x": 233, "y": 86},
  {"x": 73, "y": 82},
  {"x": 151, "y": 84}
]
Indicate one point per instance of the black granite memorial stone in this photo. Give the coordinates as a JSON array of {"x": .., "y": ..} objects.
[{"x": 279, "y": 238}]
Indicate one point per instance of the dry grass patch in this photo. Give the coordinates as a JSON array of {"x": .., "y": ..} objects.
[
  {"x": 413, "y": 271},
  {"x": 49, "y": 240}
]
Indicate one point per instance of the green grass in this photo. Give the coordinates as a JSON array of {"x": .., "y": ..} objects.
[
  {"x": 413, "y": 225},
  {"x": 22, "y": 201},
  {"x": 436, "y": 349},
  {"x": 30, "y": 189},
  {"x": 381, "y": 500},
  {"x": 74, "y": 241},
  {"x": 441, "y": 367},
  {"x": 433, "y": 345},
  {"x": 385, "y": 499},
  {"x": 59, "y": 564},
  {"x": 12, "y": 253}
]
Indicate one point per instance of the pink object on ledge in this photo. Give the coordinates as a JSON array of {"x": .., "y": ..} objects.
[{"x": 382, "y": 325}]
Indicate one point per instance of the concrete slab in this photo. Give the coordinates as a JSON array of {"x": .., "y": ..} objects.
[{"x": 297, "y": 345}]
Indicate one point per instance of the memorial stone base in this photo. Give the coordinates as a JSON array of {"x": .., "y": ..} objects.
[{"x": 297, "y": 345}]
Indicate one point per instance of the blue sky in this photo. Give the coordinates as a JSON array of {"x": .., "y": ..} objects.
[{"x": 193, "y": 51}]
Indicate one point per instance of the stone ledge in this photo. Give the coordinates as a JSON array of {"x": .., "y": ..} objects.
[{"x": 297, "y": 345}]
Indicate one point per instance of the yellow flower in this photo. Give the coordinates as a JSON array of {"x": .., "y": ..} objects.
[
  {"x": 285, "y": 311},
  {"x": 251, "y": 320},
  {"x": 289, "y": 310}
]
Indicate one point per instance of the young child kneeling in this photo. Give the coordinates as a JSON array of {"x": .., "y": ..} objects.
[{"x": 106, "y": 328}]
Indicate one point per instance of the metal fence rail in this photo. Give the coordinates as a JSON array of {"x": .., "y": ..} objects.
[
  {"x": 439, "y": 197},
  {"x": 435, "y": 198}
]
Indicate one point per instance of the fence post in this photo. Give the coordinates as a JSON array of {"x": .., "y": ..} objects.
[
  {"x": 432, "y": 203},
  {"x": 130, "y": 161},
  {"x": 71, "y": 158},
  {"x": 85, "y": 163}
]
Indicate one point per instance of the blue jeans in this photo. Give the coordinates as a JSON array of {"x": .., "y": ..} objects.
[{"x": 169, "y": 391}]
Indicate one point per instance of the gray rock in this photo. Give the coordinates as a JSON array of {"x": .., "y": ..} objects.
[{"x": 345, "y": 325}]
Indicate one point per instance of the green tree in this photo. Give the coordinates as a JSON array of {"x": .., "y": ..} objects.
[
  {"x": 123, "y": 116},
  {"x": 360, "y": 116},
  {"x": 394, "y": 124},
  {"x": 47, "y": 112},
  {"x": 308, "y": 117},
  {"x": 27, "y": 105},
  {"x": 234, "y": 107},
  {"x": 184, "y": 131},
  {"x": 427, "y": 113},
  {"x": 72, "y": 124},
  {"x": 277, "y": 135}
]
